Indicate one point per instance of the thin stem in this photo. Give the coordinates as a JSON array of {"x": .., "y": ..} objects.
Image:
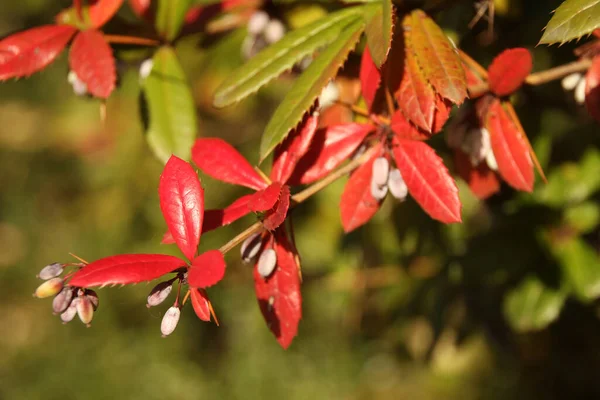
[
  {"x": 355, "y": 109},
  {"x": 251, "y": 230},
  {"x": 120, "y": 39}
]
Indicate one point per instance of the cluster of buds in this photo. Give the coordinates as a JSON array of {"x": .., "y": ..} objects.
[
  {"x": 253, "y": 249},
  {"x": 262, "y": 31},
  {"x": 158, "y": 295},
  {"x": 384, "y": 179},
  {"x": 475, "y": 142},
  {"x": 575, "y": 82},
  {"x": 68, "y": 300}
]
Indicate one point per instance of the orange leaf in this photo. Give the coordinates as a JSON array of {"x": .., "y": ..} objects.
[
  {"x": 508, "y": 71},
  {"x": 437, "y": 57}
]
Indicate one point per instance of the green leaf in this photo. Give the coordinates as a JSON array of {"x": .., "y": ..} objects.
[
  {"x": 282, "y": 55},
  {"x": 379, "y": 32},
  {"x": 571, "y": 20},
  {"x": 580, "y": 265},
  {"x": 308, "y": 87},
  {"x": 532, "y": 305},
  {"x": 172, "y": 115},
  {"x": 170, "y": 17},
  {"x": 584, "y": 217}
]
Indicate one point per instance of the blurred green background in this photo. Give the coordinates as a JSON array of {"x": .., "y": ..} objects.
[{"x": 503, "y": 306}]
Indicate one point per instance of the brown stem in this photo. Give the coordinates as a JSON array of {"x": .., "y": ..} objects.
[{"x": 120, "y": 39}]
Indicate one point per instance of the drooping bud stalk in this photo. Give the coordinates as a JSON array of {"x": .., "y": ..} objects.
[
  {"x": 49, "y": 288},
  {"x": 257, "y": 23},
  {"x": 397, "y": 185},
  {"x": 93, "y": 297},
  {"x": 266, "y": 263},
  {"x": 159, "y": 293},
  {"x": 51, "y": 271},
  {"x": 62, "y": 300},
  {"x": 70, "y": 312},
  {"x": 274, "y": 31},
  {"x": 381, "y": 170},
  {"x": 250, "y": 247},
  {"x": 170, "y": 321},
  {"x": 85, "y": 310}
]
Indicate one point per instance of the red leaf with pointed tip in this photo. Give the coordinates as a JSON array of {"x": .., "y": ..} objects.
[
  {"x": 482, "y": 181},
  {"x": 510, "y": 149},
  {"x": 288, "y": 153},
  {"x": 182, "y": 204},
  {"x": 428, "y": 180},
  {"x": 207, "y": 269},
  {"x": 103, "y": 10},
  {"x": 473, "y": 78},
  {"x": 330, "y": 147},
  {"x": 200, "y": 303},
  {"x": 416, "y": 98},
  {"x": 370, "y": 78},
  {"x": 357, "y": 204},
  {"x": 167, "y": 238},
  {"x": 278, "y": 295},
  {"x": 92, "y": 61},
  {"x": 265, "y": 199},
  {"x": 276, "y": 216},
  {"x": 124, "y": 269},
  {"x": 508, "y": 71},
  {"x": 32, "y": 50},
  {"x": 442, "y": 113},
  {"x": 592, "y": 89},
  {"x": 220, "y": 160},
  {"x": 406, "y": 130},
  {"x": 142, "y": 8},
  {"x": 216, "y": 218}
]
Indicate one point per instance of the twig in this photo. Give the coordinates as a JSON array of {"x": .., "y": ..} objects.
[{"x": 120, "y": 39}]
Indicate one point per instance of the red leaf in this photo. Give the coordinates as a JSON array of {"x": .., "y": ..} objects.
[
  {"x": 279, "y": 295},
  {"x": 103, "y": 10},
  {"x": 200, "y": 303},
  {"x": 442, "y": 113},
  {"x": 288, "y": 153},
  {"x": 265, "y": 199},
  {"x": 218, "y": 159},
  {"x": 482, "y": 181},
  {"x": 207, "y": 269},
  {"x": 370, "y": 78},
  {"x": 142, "y": 8},
  {"x": 508, "y": 71},
  {"x": 592, "y": 91},
  {"x": 276, "y": 216},
  {"x": 428, "y": 180},
  {"x": 124, "y": 269},
  {"x": 406, "y": 130},
  {"x": 510, "y": 149},
  {"x": 357, "y": 205},
  {"x": 182, "y": 204},
  {"x": 330, "y": 147},
  {"x": 216, "y": 218},
  {"x": 167, "y": 238},
  {"x": 416, "y": 98},
  {"x": 32, "y": 50},
  {"x": 92, "y": 61}
]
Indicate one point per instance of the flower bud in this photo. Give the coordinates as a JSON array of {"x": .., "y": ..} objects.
[
  {"x": 251, "y": 247},
  {"x": 49, "y": 288},
  {"x": 51, "y": 271},
  {"x": 397, "y": 185},
  {"x": 159, "y": 293},
  {"x": 79, "y": 87},
  {"x": 62, "y": 300},
  {"x": 381, "y": 170},
  {"x": 378, "y": 192},
  {"x": 490, "y": 160},
  {"x": 274, "y": 31},
  {"x": 570, "y": 81},
  {"x": 93, "y": 297},
  {"x": 170, "y": 320},
  {"x": 329, "y": 95},
  {"x": 146, "y": 68},
  {"x": 257, "y": 23},
  {"x": 266, "y": 263},
  {"x": 85, "y": 310},
  {"x": 580, "y": 92},
  {"x": 69, "y": 313}
]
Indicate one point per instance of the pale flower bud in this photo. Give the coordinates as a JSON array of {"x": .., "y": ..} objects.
[
  {"x": 169, "y": 321},
  {"x": 146, "y": 68},
  {"x": 159, "y": 293},
  {"x": 62, "y": 300},
  {"x": 381, "y": 169},
  {"x": 69, "y": 313},
  {"x": 329, "y": 95},
  {"x": 490, "y": 160},
  {"x": 378, "y": 192},
  {"x": 49, "y": 288},
  {"x": 258, "y": 22},
  {"x": 251, "y": 247},
  {"x": 79, "y": 87},
  {"x": 397, "y": 185},
  {"x": 51, "y": 271},
  {"x": 85, "y": 310},
  {"x": 570, "y": 81},
  {"x": 266, "y": 263},
  {"x": 580, "y": 92},
  {"x": 274, "y": 31}
]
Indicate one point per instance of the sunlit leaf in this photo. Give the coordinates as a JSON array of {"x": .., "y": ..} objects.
[
  {"x": 102, "y": 11},
  {"x": 580, "y": 265},
  {"x": 216, "y": 218},
  {"x": 207, "y": 269},
  {"x": 379, "y": 31},
  {"x": 170, "y": 17},
  {"x": 572, "y": 20},
  {"x": 508, "y": 71},
  {"x": 276, "y": 216},
  {"x": 370, "y": 78},
  {"x": 92, "y": 60},
  {"x": 265, "y": 199}
]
